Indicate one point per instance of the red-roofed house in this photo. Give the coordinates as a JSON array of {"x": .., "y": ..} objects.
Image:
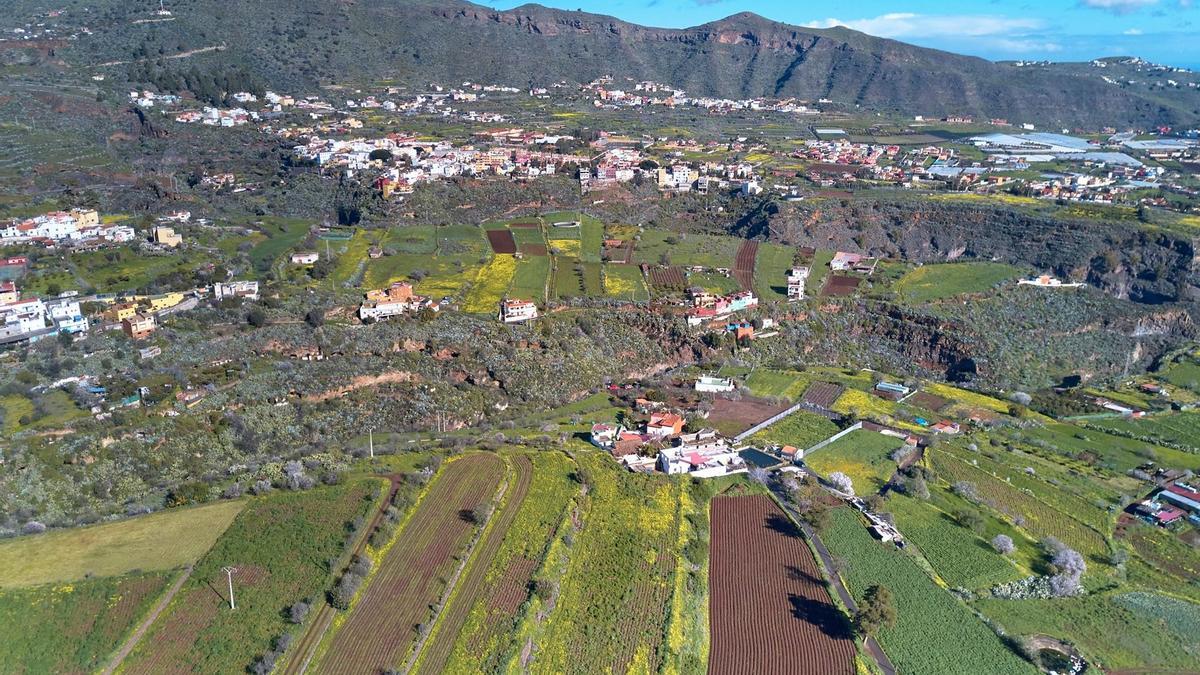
[{"x": 664, "y": 425}]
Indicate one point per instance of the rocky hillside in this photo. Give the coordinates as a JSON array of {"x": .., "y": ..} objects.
[{"x": 1126, "y": 261}]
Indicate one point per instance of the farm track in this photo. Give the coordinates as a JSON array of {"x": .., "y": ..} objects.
[
  {"x": 144, "y": 626},
  {"x": 302, "y": 651},
  {"x": 381, "y": 628},
  {"x": 743, "y": 266},
  {"x": 771, "y": 610},
  {"x": 436, "y": 652}
]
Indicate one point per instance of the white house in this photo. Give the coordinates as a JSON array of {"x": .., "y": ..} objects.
[
  {"x": 305, "y": 257},
  {"x": 517, "y": 311},
  {"x": 66, "y": 315},
  {"x": 797, "y": 280},
  {"x": 236, "y": 289},
  {"x": 711, "y": 384}
]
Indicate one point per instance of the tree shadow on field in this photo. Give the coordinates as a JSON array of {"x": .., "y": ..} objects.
[
  {"x": 796, "y": 574},
  {"x": 823, "y": 615},
  {"x": 782, "y": 525},
  {"x": 468, "y": 516}
]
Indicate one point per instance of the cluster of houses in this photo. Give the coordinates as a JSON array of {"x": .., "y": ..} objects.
[
  {"x": 31, "y": 319},
  {"x": 707, "y": 307},
  {"x": 608, "y": 95},
  {"x": 78, "y": 228},
  {"x": 394, "y": 300},
  {"x": 217, "y": 117},
  {"x": 1175, "y": 502},
  {"x": 662, "y": 444},
  {"x": 403, "y": 161}
]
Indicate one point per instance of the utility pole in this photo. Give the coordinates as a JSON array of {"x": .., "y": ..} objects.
[{"x": 229, "y": 572}]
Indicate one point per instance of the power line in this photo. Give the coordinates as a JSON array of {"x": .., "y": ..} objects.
[{"x": 229, "y": 572}]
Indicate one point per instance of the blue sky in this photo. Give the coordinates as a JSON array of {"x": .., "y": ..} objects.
[{"x": 1163, "y": 31}]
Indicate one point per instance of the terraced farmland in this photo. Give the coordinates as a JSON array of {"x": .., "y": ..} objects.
[
  {"x": 770, "y": 609},
  {"x": 472, "y": 586},
  {"x": 485, "y": 641},
  {"x": 382, "y": 626},
  {"x": 1030, "y": 513}
]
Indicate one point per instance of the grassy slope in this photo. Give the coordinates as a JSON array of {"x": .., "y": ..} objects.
[
  {"x": 157, "y": 541},
  {"x": 281, "y": 545},
  {"x": 937, "y": 282}
]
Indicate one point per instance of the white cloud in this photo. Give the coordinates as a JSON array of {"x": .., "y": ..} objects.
[
  {"x": 1120, "y": 6},
  {"x": 909, "y": 25},
  {"x": 1132, "y": 31}
]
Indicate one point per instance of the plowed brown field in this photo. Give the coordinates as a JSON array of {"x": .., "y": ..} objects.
[
  {"x": 383, "y": 626},
  {"x": 770, "y": 611}
]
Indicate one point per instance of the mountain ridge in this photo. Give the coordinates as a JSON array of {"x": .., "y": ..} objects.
[{"x": 743, "y": 55}]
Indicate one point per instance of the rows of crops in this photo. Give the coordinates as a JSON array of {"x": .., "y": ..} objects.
[
  {"x": 771, "y": 611},
  {"x": 961, "y": 558},
  {"x": 485, "y": 641},
  {"x": 1180, "y": 429},
  {"x": 934, "y": 632},
  {"x": 385, "y": 621},
  {"x": 281, "y": 545},
  {"x": 1023, "y": 509},
  {"x": 1056, "y": 496},
  {"x": 472, "y": 586}
]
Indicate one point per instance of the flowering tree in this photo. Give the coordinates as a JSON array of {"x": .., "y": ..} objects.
[{"x": 841, "y": 482}]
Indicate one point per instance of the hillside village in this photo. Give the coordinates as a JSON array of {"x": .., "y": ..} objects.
[{"x": 329, "y": 349}]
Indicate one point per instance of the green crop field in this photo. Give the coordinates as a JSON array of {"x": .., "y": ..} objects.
[
  {"x": 491, "y": 284},
  {"x": 158, "y": 541},
  {"x": 530, "y": 278},
  {"x": 934, "y": 632},
  {"x": 411, "y": 239},
  {"x": 689, "y": 249},
  {"x": 72, "y": 627},
  {"x": 1117, "y": 453},
  {"x": 765, "y": 382},
  {"x": 938, "y": 282},
  {"x": 864, "y": 456},
  {"x": 1033, "y": 515},
  {"x": 281, "y": 234},
  {"x": 282, "y": 545},
  {"x": 960, "y": 557},
  {"x": 800, "y": 429},
  {"x": 1057, "y": 496},
  {"x": 625, "y": 282},
  {"x": 770, "y": 271},
  {"x": 486, "y": 641},
  {"x": 1114, "y": 632},
  {"x": 1179, "y": 429}
]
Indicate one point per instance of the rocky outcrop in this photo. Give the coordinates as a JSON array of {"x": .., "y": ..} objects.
[{"x": 1123, "y": 259}]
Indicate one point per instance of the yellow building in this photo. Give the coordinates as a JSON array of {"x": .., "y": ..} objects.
[
  {"x": 121, "y": 311},
  {"x": 167, "y": 236},
  {"x": 85, "y": 217},
  {"x": 165, "y": 301}
]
